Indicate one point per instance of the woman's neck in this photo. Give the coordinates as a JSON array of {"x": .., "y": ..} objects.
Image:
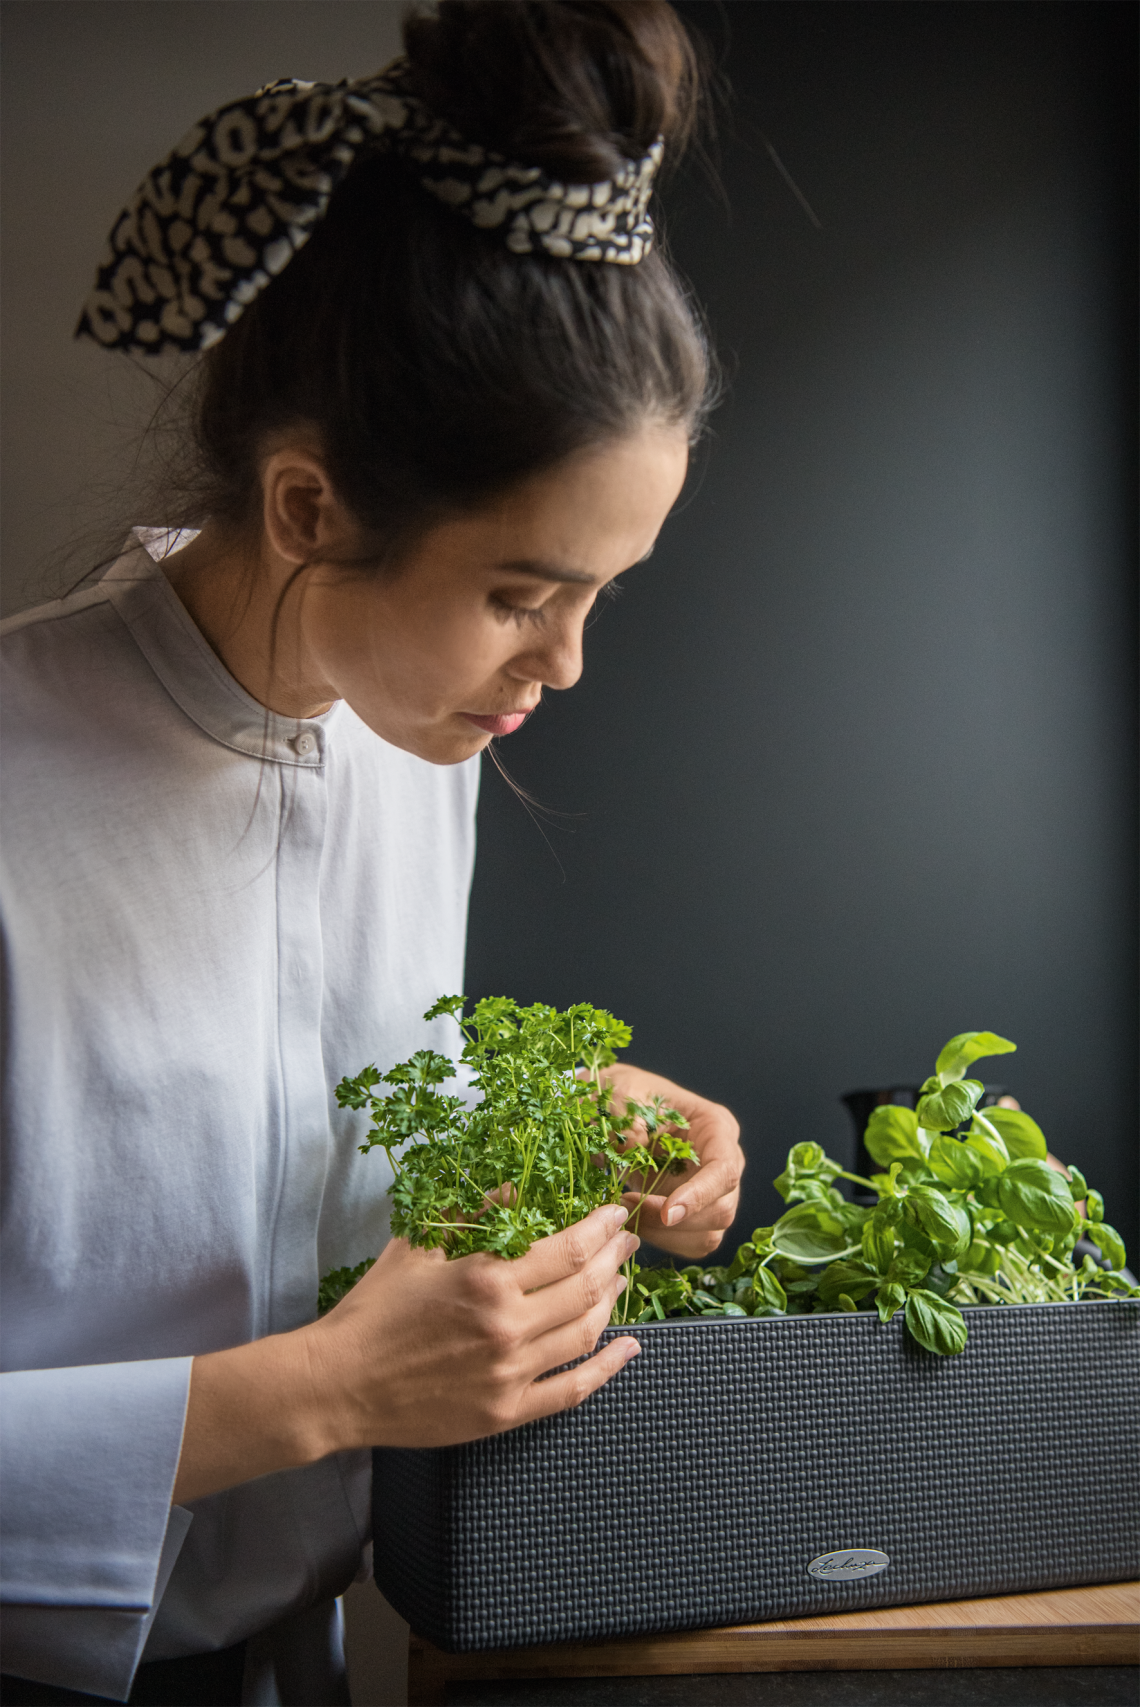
[{"x": 236, "y": 592}]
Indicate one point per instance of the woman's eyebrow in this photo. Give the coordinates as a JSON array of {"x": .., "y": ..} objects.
[{"x": 547, "y": 571}]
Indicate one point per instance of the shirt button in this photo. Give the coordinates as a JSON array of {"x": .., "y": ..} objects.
[{"x": 304, "y": 744}]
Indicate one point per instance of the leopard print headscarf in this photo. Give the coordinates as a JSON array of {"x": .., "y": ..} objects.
[{"x": 230, "y": 206}]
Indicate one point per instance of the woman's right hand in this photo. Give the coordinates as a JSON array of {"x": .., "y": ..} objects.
[{"x": 422, "y": 1352}]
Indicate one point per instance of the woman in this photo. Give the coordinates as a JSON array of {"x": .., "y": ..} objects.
[{"x": 444, "y": 402}]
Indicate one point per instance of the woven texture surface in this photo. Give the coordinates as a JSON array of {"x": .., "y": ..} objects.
[{"x": 694, "y": 1488}]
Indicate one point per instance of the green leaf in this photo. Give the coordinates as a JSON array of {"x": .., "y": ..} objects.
[
  {"x": 955, "y": 1163},
  {"x": 847, "y": 1304},
  {"x": 337, "y": 1283},
  {"x": 1109, "y": 1242},
  {"x": 1094, "y": 1206},
  {"x": 990, "y": 1146},
  {"x": 878, "y": 1242},
  {"x": 809, "y": 1233},
  {"x": 947, "y": 1226},
  {"x": 943, "y": 1110},
  {"x": 809, "y": 1172},
  {"x": 743, "y": 1261},
  {"x": 1022, "y": 1135},
  {"x": 768, "y": 1290},
  {"x": 892, "y": 1135},
  {"x": 967, "y": 1047},
  {"x": 850, "y": 1278},
  {"x": 981, "y": 1258},
  {"x": 1034, "y": 1195},
  {"x": 943, "y": 1277},
  {"x": 935, "y": 1324},
  {"x": 889, "y": 1298},
  {"x": 908, "y": 1268},
  {"x": 1078, "y": 1187}
]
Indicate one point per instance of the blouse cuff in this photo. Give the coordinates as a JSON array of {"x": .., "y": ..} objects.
[{"x": 89, "y": 1458}]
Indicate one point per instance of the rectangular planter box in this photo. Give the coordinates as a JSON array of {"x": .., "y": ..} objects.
[{"x": 697, "y": 1487}]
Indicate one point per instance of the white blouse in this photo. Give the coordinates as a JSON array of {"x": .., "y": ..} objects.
[{"x": 210, "y": 915}]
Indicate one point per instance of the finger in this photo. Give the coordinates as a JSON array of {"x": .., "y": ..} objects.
[
  {"x": 718, "y": 1180},
  {"x": 637, "y": 1200},
  {"x": 571, "y": 1340},
  {"x": 564, "y": 1392},
  {"x": 715, "y": 1136},
  {"x": 561, "y": 1254},
  {"x": 565, "y": 1301}
]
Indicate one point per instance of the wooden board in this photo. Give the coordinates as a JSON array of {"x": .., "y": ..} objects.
[{"x": 1063, "y": 1627}]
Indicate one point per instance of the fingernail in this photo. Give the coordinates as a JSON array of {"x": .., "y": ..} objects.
[
  {"x": 634, "y": 1351},
  {"x": 632, "y": 1243},
  {"x": 622, "y": 1284},
  {"x": 619, "y": 1214},
  {"x": 677, "y": 1213}
]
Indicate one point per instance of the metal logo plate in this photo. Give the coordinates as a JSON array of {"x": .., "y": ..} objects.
[{"x": 847, "y": 1565}]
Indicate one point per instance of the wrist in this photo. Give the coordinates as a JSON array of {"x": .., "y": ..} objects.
[
  {"x": 324, "y": 1418},
  {"x": 253, "y": 1410}
]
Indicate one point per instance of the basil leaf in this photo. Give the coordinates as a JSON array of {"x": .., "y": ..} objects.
[
  {"x": 947, "y": 1226},
  {"x": 768, "y": 1290},
  {"x": 981, "y": 1258},
  {"x": 990, "y": 1146},
  {"x": 967, "y": 1047},
  {"x": 943, "y": 1110},
  {"x": 1109, "y": 1243},
  {"x": 1034, "y": 1195},
  {"x": 878, "y": 1243},
  {"x": 1094, "y": 1205},
  {"x": 848, "y": 1278},
  {"x": 809, "y": 1159},
  {"x": 848, "y": 1305},
  {"x": 955, "y": 1163},
  {"x": 908, "y": 1268},
  {"x": 809, "y": 1233},
  {"x": 892, "y": 1135},
  {"x": 1023, "y": 1136},
  {"x": 890, "y": 1298},
  {"x": 1078, "y": 1186},
  {"x": 935, "y": 1324}
]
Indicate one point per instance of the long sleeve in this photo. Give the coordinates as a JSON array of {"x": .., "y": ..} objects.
[
  {"x": 209, "y": 915},
  {"x": 88, "y": 1458}
]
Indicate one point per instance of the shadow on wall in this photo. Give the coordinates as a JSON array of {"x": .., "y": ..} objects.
[{"x": 852, "y": 766}]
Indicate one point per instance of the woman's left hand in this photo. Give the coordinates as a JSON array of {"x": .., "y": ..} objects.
[{"x": 691, "y": 1220}]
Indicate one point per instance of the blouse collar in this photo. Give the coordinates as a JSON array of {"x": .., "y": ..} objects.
[{"x": 188, "y": 667}]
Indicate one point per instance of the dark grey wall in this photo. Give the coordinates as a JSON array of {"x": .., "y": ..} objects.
[
  {"x": 855, "y": 753},
  {"x": 95, "y": 92}
]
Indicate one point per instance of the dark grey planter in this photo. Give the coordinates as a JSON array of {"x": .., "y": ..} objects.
[{"x": 698, "y": 1487}]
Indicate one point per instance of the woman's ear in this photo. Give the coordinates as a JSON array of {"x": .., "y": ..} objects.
[{"x": 302, "y": 514}]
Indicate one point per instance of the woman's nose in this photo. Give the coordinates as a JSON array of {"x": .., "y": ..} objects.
[{"x": 556, "y": 660}]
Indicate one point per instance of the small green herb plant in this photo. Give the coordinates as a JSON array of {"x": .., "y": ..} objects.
[
  {"x": 966, "y": 1211},
  {"x": 542, "y": 1147}
]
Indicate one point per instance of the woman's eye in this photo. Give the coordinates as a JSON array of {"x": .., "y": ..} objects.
[{"x": 518, "y": 614}]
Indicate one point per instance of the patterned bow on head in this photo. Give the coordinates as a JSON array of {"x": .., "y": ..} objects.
[{"x": 227, "y": 209}]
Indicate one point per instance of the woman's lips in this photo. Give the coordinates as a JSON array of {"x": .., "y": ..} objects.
[{"x": 505, "y": 724}]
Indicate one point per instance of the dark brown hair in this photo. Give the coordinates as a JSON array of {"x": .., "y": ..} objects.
[{"x": 436, "y": 366}]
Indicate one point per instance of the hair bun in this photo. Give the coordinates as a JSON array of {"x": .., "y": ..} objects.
[{"x": 577, "y": 87}]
